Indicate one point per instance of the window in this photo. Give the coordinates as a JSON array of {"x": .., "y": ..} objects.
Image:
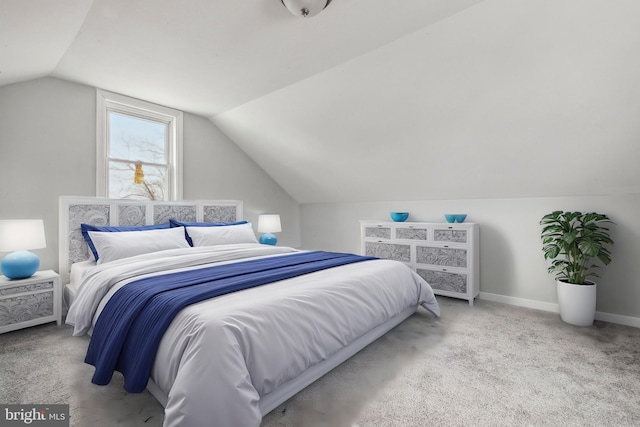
[{"x": 139, "y": 149}]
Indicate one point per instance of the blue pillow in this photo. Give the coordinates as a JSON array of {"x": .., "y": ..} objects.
[
  {"x": 176, "y": 223},
  {"x": 85, "y": 228}
]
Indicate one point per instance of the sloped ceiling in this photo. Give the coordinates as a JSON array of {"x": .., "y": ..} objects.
[{"x": 371, "y": 100}]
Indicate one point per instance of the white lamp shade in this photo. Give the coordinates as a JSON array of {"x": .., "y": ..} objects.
[
  {"x": 21, "y": 235},
  {"x": 269, "y": 223}
]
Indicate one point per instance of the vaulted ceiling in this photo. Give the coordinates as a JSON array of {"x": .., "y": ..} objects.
[{"x": 371, "y": 99}]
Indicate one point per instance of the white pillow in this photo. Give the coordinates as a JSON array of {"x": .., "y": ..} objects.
[
  {"x": 112, "y": 246},
  {"x": 225, "y": 235}
]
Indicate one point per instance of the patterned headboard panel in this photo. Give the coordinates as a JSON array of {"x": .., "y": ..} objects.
[{"x": 100, "y": 211}]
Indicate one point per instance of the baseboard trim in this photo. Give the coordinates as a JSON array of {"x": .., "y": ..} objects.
[
  {"x": 521, "y": 302},
  {"x": 617, "y": 318},
  {"x": 553, "y": 307}
]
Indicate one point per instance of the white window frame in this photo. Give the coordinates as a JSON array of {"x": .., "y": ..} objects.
[{"x": 112, "y": 102}]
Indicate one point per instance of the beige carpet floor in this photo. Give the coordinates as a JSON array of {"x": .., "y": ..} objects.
[{"x": 487, "y": 365}]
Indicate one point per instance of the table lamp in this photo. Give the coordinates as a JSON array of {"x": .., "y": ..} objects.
[
  {"x": 269, "y": 224},
  {"x": 20, "y": 235}
]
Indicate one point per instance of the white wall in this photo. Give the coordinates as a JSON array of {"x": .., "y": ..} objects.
[
  {"x": 215, "y": 168},
  {"x": 511, "y": 260},
  {"x": 47, "y": 149},
  {"x": 469, "y": 107}
]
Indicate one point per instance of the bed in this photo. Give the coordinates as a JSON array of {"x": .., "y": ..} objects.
[{"x": 223, "y": 358}]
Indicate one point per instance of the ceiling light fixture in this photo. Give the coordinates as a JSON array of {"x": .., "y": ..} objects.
[{"x": 305, "y": 8}]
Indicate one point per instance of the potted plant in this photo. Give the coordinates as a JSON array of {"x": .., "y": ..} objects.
[{"x": 573, "y": 241}]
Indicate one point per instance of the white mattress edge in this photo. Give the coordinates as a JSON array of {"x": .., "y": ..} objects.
[
  {"x": 287, "y": 390},
  {"x": 68, "y": 295}
]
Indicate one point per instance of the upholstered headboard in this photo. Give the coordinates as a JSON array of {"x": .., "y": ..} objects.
[{"x": 100, "y": 211}]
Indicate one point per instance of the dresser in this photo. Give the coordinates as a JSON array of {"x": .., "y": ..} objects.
[
  {"x": 445, "y": 255},
  {"x": 31, "y": 301}
]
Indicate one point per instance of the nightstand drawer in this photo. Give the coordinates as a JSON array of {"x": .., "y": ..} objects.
[
  {"x": 21, "y": 289},
  {"x": 31, "y": 301},
  {"x": 26, "y": 307}
]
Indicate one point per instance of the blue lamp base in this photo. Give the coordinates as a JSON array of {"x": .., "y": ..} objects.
[
  {"x": 268, "y": 239},
  {"x": 20, "y": 265}
]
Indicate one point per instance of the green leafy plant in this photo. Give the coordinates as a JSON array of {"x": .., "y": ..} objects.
[{"x": 572, "y": 240}]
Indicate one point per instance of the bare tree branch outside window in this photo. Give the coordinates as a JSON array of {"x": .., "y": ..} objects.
[{"x": 137, "y": 141}]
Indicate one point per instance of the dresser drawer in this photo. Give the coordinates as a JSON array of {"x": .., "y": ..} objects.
[
  {"x": 444, "y": 280},
  {"x": 447, "y": 257},
  {"x": 410, "y": 233},
  {"x": 378, "y": 232},
  {"x": 392, "y": 251},
  {"x": 451, "y": 236}
]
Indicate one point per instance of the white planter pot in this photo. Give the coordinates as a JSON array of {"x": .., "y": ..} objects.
[{"x": 577, "y": 303}]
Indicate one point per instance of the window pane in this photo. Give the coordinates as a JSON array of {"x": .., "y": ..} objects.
[
  {"x": 137, "y": 139},
  {"x": 132, "y": 131},
  {"x": 122, "y": 183}
]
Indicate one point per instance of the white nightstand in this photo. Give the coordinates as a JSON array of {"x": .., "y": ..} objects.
[{"x": 31, "y": 301}]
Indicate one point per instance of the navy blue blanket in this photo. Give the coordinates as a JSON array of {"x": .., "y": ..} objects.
[{"x": 128, "y": 331}]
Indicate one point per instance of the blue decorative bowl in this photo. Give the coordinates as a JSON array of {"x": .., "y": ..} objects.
[
  {"x": 450, "y": 217},
  {"x": 461, "y": 217},
  {"x": 399, "y": 216}
]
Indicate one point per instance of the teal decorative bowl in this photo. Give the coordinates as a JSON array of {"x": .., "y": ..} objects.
[
  {"x": 461, "y": 217},
  {"x": 399, "y": 216},
  {"x": 450, "y": 217}
]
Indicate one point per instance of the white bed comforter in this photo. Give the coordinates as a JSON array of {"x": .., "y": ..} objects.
[{"x": 219, "y": 356}]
